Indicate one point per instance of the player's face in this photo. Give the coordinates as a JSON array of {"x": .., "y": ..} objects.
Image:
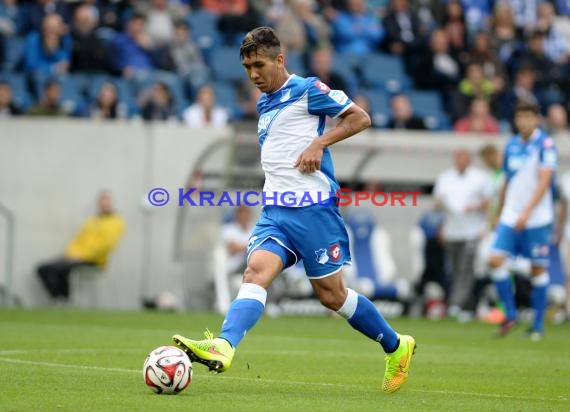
[
  {"x": 526, "y": 122},
  {"x": 264, "y": 71}
]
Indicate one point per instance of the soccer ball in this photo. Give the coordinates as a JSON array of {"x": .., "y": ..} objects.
[{"x": 167, "y": 369}]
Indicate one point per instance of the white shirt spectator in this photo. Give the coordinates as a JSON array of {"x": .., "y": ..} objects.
[
  {"x": 458, "y": 192},
  {"x": 234, "y": 232},
  {"x": 195, "y": 116}
]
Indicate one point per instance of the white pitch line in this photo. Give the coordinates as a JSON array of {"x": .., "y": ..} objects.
[{"x": 284, "y": 382}]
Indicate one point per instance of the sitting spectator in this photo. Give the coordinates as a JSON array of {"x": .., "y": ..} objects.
[
  {"x": 555, "y": 43},
  {"x": 557, "y": 120},
  {"x": 158, "y": 103},
  {"x": 523, "y": 89},
  {"x": 403, "y": 117},
  {"x": 524, "y": 13},
  {"x": 438, "y": 68},
  {"x": 455, "y": 28},
  {"x": 249, "y": 106},
  {"x": 186, "y": 58},
  {"x": 547, "y": 73},
  {"x": 235, "y": 17},
  {"x": 355, "y": 31},
  {"x": 321, "y": 67},
  {"x": 7, "y": 106},
  {"x": 205, "y": 112},
  {"x": 504, "y": 32},
  {"x": 479, "y": 119},
  {"x": 49, "y": 51},
  {"x": 483, "y": 53},
  {"x": 301, "y": 29},
  {"x": 477, "y": 14},
  {"x": 235, "y": 236},
  {"x": 133, "y": 49},
  {"x": 92, "y": 246},
  {"x": 160, "y": 17},
  {"x": 402, "y": 27},
  {"x": 50, "y": 105},
  {"x": 89, "y": 53},
  {"x": 474, "y": 85},
  {"x": 107, "y": 105},
  {"x": 37, "y": 11}
]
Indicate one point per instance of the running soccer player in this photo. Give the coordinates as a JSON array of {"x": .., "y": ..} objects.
[
  {"x": 296, "y": 161},
  {"x": 527, "y": 215}
]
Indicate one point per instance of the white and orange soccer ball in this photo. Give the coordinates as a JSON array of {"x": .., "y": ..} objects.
[{"x": 167, "y": 370}]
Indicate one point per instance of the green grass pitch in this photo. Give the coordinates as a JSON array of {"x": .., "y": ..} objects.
[{"x": 65, "y": 360}]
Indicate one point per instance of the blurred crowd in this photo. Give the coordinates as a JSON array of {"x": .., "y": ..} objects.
[{"x": 413, "y": 64}]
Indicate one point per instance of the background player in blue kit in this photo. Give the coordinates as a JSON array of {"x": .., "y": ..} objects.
[
  {"x": 527, "y": 215},
  {"x": 296, "y": 160}
]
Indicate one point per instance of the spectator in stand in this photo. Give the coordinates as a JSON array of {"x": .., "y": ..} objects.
[
  {"x": 37, "y": 12},
  {"x": 301, "y": 29},
  {"x": 355, "y": 31},
  {"x": 107, "y": 105},
  {"x": 157, "y": 103},
  {"x": 483, "y": 53},
  {"x": 7, "y": 106},
  {"x": 48, "y": 52},
  {"x": 477, "y": 15},
  {"x": 506, "y": 37},
  {"x": 479, "y": 119},
  {"x": 455, "y": 28},
  {"x": 160, "y": 18},
  {"x": 235, "y": 17},
  {"x": 205, "y": 112},
  {"x": 186, "y": 58},
  {"x": 555, "y": 43},
  {"x": 321, "y": 67},
  {"x": 133, "y": 49},
  {"x": 402, "y": 31},
  {"x": 235, "y": 237},
  {"x": 523, "y": 89},
  {"x": 403, "y": 117},
  {"x": 50, "y": 105},
  {"x": 557, "y": 121},
  {"x": 525, "y": 13},
  {"x": 547, "y": 73},
  {"x": 438, "y": 68},
  {"x": 249, "y": 106},
  {"x": 89, "y": 53},
  {"x": 474, "y": 85}
]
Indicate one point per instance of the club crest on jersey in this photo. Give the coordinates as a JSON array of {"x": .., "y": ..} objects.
[
  {"x": 285, "y": 95},
  {"x": 335, "y": 252},
  {"x": 322, "y": 87},
  {"x": 322, "y": 256}
]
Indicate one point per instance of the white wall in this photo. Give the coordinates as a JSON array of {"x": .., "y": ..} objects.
[{"x": 50, "y": 171}]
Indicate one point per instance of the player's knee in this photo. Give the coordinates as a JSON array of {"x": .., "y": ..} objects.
[
  {"x": 257, "y": 275},
  {"x": 333, "y": 299}
]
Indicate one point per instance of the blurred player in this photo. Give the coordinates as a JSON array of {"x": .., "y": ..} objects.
[
  {"x": 296, "y": 159},
  {"x": 527, "y": 214}
]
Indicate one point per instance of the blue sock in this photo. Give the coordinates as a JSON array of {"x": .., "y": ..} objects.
[
  {"x": 538, "y": 300},
  {"x": 502, "y": 281},
  {"x": 363, "y": 316},
  {"x": 244, "y": 312}
]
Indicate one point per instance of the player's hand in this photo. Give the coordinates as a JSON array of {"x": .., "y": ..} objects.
[
  {"x": 310, "y": 160},
  {"x": 520, "y": 224}
]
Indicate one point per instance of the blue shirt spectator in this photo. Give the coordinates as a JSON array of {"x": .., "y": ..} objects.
[
  {"x": 36, "y": 13},
  {"x": 48, "y": 52},
  {"x": 355, "y": 31},
  {"x": 477, "y": 13},
  {"x": 133, "y": 49}
]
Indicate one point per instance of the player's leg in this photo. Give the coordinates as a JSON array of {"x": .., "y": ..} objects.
[
  {"x": 363, "y": 316},
  {"x": 536, "y": 241},
  {"x": 505, "y": 244}
]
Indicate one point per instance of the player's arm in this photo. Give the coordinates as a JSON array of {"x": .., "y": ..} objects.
[
  {"x": 353, "y": 121},
  {"x": 544, "y": 181}
]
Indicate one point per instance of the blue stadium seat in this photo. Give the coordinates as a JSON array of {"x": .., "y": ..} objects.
[
  {"x": 174, "y": 83},
  {"x": 204, "y": 28},
  {"x": 226, "y": 65},
  {"x": 14, "y": 54},
  {"x": 385, "y": 72},
  {"x": 124, "y": 88},
  {"x": 226, "y": 96},
  {"x": 295, "y": 64},
  {"x": 71, "y": 99},
  {"x": 345, "y": 67},
  {"x": 428, "y": 105},
  {"x": 20, "y": 94}
]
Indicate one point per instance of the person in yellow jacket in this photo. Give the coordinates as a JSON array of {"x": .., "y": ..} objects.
[{"x": 92, "y": 246}]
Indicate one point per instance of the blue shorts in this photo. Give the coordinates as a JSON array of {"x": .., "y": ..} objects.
[
  {"x": 316, "y": 234},
  {"x": 531, "y": 243}
]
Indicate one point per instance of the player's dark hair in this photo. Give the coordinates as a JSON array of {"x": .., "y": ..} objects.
[
  {"x": 525, "y": 106},
  {"x": 260, "y": 39}
]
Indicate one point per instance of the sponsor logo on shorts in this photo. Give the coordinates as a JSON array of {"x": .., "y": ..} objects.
[{"x": 335, "y": 252}]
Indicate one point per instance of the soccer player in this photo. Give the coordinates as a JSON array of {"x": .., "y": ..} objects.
[
  {"x": 296, "y": 160},
  {"x": 527, "y": 214}
]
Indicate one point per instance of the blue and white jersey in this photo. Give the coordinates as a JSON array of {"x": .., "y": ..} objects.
[
  {"x": 521, "y": 164},
  {"x": 289, "y": 120}
]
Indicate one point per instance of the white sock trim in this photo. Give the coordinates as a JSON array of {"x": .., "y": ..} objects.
[
  {"x": 252, "y": 291},
  {"x": 541, "y": 280},
  {"x": 349, "y": 306},
  {"x": 500, "y": 273}
]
